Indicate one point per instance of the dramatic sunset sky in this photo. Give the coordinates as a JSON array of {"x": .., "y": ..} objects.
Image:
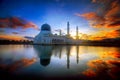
[{"x": 96, "y": 19}]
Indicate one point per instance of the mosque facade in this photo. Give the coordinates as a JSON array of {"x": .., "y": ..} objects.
[{"x": 46, "y": 37}]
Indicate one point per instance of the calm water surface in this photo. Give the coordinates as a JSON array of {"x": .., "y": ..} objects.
[{"x": 82, "y": 62}]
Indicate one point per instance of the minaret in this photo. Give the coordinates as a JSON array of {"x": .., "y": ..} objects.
[
  {"x": 68, "y": 29},
  {"x": 60, "y": 32},
  {"x": 77, "y": 33}
]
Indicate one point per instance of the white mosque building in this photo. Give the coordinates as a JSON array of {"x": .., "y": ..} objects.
[{"x": 46, "y": 37}]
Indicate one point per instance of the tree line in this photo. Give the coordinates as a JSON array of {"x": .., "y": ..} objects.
[{"x": 16, "y": 42}]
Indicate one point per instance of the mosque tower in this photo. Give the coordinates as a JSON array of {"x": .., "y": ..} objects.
[
  {"x": 68, "y": 29},
  {"x": 77, "y": 37}
]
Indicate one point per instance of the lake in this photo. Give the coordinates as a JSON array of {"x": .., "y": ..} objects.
[{"x": 60, "y": 62}]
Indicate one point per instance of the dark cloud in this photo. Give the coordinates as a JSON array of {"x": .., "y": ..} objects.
[
  {"x": 2, "y": 31},
  {"x": 15, "y": 32},
  {"x": 107, "y": 14},
  {"x": 29, "y": 38},
  {"x": 15, "y": 22},
  {"x": 116, "y": 23}
]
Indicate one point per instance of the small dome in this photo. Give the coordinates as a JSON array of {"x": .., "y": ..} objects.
[{"x": 45, "y": 27}]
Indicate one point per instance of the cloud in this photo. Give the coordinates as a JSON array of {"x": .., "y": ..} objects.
[
  {"x": 11, "y": 37},
  {"x": 113, "y": 34},
  {"x": 107, "y": 14},
  {"x": 15, "y": 22},
  {"x": 94, "y": 1},
  {"x": 29, "y": 38},
  {"x": 105, "y": 34},
  {"x": 94, "y": 19},
  {"x": 15, "y": 32},
  {"x": 2, "y": 31}
]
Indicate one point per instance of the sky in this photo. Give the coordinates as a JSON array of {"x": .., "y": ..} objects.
[{"x": 96, "y": 19}]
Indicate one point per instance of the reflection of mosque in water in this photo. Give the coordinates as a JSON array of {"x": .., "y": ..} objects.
[{"x": 45, "y": 53}]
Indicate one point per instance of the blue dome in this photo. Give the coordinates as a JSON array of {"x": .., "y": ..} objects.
[{"x": 45, "y": 27}]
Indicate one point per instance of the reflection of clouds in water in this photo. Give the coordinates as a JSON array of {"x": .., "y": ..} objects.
[
  {"x": 109, "y": 55},
  {"x": 16, "y": 52},
  {"x": 87, "y": 56},
  {"x": 25, "y": 62},
  {"x": 11, "y": 48},
  {"x": 104, "y": 69},
  {"x": 106, "y": 66},
  {"x": 63, "y": 61}
]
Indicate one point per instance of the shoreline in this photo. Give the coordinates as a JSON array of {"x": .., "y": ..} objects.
[{"x": 82, "y": 44}]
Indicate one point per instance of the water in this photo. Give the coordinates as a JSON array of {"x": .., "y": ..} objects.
[{"x": 81, "y": 62}]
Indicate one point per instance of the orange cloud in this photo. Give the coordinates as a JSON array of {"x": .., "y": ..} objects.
[
  {"x": 30, "y": 24},
  {"x": 15, "y": 22},
  {"x": 12, "y": 37},
  {"x": 107, "y": 15},
  {"x": 89, "y": 16},
  {"x": 94, "y": 1},
  {"x": 94, "y": 19},
  {"x": 100, "y": 35},
  {"x": 113, "y": 34}
]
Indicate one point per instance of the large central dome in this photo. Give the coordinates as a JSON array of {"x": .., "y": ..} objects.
[{"x": 45, "y": 27}]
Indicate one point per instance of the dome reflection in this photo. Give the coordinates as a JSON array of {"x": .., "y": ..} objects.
[{"x": 44, "y": 53}]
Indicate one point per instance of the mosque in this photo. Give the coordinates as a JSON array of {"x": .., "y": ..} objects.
[{"x": 46, "y": 37}]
